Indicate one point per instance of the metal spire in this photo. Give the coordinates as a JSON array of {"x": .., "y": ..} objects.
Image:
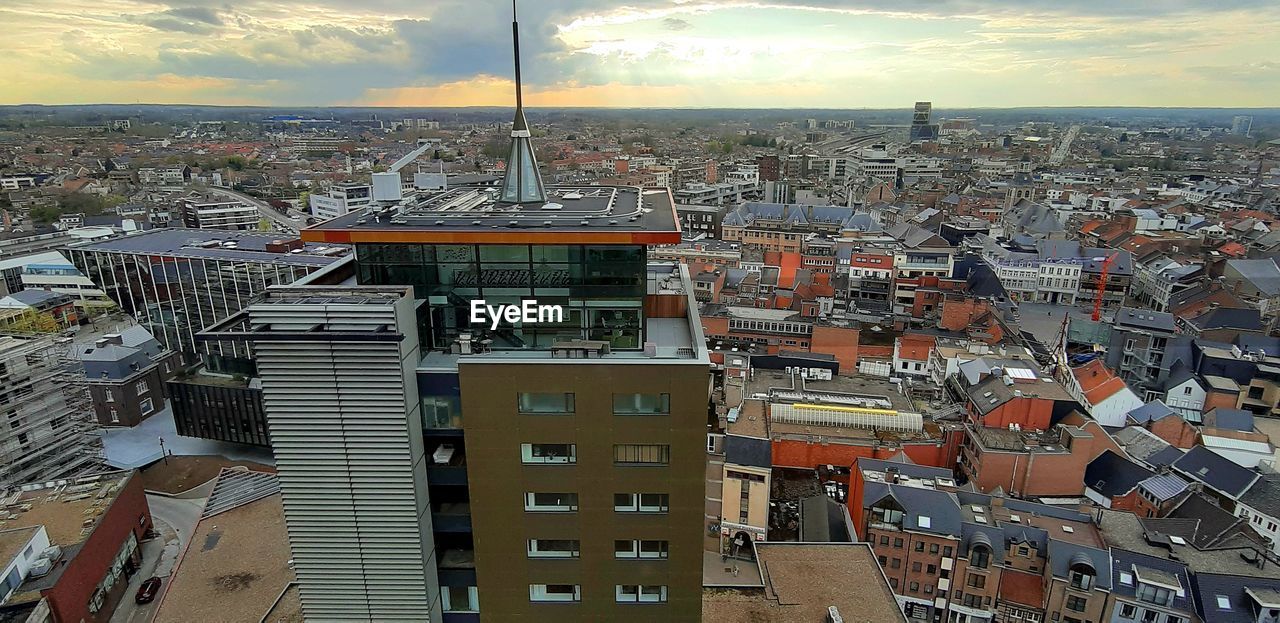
[{"x": 521, "y": 183}]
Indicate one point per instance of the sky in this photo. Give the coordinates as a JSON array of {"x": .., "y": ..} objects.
[{"x": 643, "y": 53}]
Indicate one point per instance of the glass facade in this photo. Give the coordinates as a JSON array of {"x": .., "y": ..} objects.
[
  {"x": 600, "y": 288},
  {"x": 177, "y": 297}
]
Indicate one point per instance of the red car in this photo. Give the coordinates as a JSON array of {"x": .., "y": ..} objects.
[{"x": 147, "y": 592}]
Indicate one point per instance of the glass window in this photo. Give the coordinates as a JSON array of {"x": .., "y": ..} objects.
[
  {"x": 551, "y": 502},
  {"x": 555, "y": 592},
  {"x": 641, "y": 502},
  {"x": 460, "y": 599},
  {"x": 553, "y": 548},
  {"x": 641, "y": 454},
  {"x": 642, "y": 404},
  {"x": 548, "y": 453},
  {"x": 653, "y": 549},
  {"x": 504, "y": 253},
  {"x": 536, "y": 402}
]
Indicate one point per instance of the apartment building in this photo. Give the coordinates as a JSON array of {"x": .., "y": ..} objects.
[
  {"x": 340, "y": 199},
  {"x": 210, "y": 212}
]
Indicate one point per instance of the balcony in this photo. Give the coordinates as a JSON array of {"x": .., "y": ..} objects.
[{"x": 451, "y": 517}]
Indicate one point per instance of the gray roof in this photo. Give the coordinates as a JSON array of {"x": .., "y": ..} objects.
[
  {"x": 1064, "y": 555},
  {"x": 939, "y": 508},
  {"x": 1264, "y": 495},
  {"x": 36, "y": 298},
  {"x": 904, "y": 468},
  {"x": 1113, "y": 475},
  {"x": 1151, "y": 567},
  {"x": 822, "y": 521},
  {"x": 178, "y": 242},
  {"x": 1216, "y": 471},
  {"x": 1163, "y": 487},
  {"x": 1263, "y": 274},
  {"x": 1151, "y": 412},
  {"x": 1234, "y": 590},
  {"x": 747, "y": 451},
  {"x": 1231, "y": 419},
  {"x": 1145, "y": 319}
]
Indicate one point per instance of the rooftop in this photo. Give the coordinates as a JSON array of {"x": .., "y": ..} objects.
[
  {"x": 583, "y": 215},
  {"x": 235, "y": 568},
  {"x": 803, "y": 580},
  {"x": 200, "y": 244}
]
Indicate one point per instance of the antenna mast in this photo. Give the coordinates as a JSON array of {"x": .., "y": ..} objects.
[{"x": 515, "y": 36}]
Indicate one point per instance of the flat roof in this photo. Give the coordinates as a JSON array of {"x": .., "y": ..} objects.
[
  {"x": 185, "y": 243},
  {"x": 473, "y": 214},
  {"x": 802, "y": 580},
  {"x": 235, "y": 567},
  {"x": 12, "y": 540}
]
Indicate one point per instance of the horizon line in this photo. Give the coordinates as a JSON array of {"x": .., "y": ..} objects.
[{"x": 506, "y": 107}]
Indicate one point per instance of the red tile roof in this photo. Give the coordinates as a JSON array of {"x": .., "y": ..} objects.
[
  {"x": 1022, "y": 588},
  {"x": 915, "y": 347},
  {"x": 1097, "y": 382}
]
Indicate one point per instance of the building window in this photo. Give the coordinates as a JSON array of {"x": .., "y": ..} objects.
[
  {"x": 460, "y": 599},
  {"x": 115, "y": 417},
  {"x": 641, "y": 502},
  {"x": 1128, "y": 611},
  {"x": 642, "y": 404},
  {"x": 543, "y": 403},
  {"x": 633, "y": 593},
  {"x": 977, "y": 581},
  {"x": 980, "y": 557},
  {"x": 641, "y": 454},
  {"x": 551, "y": 502},
  {"x": 548, "y": 453},
  {"x": 108, "y": 395},
  {"x": 1077, "y": 604},
  {"x": 1081, "y": 580},
  {"x": 639, "y": 549},
  {"x": 145, "y": 406},
  {"x": 553, "y": 548},
  {"x": 555, "y": 592},
  {"x": 141, "y": 387},
  {"x": 1154, "y": 594}
]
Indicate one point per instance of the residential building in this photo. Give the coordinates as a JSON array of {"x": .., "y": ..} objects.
[
  {"x": 77, "y": 539},
  {"x": 126, "y": 374},
  {"x": 211, "y": 212},
  {"x": 219, "y": 407},
  {"x": 51, "y": 432},
  {"x": 341, "y": 198}
]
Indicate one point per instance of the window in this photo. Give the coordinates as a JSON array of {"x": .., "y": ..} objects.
[
  {"x": 933, "y": 548},
  {"x": 931, "y": 569},
  {"x": 915, "y": 587},
  {"x": 541, "y": 403},
  {"x": 897, "y": 542},
  {"x": 1081, "y": 580},
  {"x": 555, "y": 592},
  {"x": 551, "y": 502},
  {"x": 884, "y": 540},
  {"x": 145, "y": 406},
  {"x": 142, "y": 387},
  {"x": 1150, "y": 616},
  {"x": 1128, "y": 611},
  {"x": 641, "y": 502},
  {"x": 553, "y": 548},
  {"x": 977, "y": 581},
  {"x": 1187, "y": 390},
  {"x": 916, "y": 567},
  {"x": 919, "y": 546},
  {"x": 548, "y": 453},
  {"x": 633, "y": 593},
  {"x": 1077, "y": 604},
  {"x": 115, "y": 417},
  {"x": 946, "y": 551},
  {"x": 642, "y": 404},
  {"x": 459, "y": 599},
  {"x": 639, "y": 549},
  {"x": 1223, "y": 602},
  {"x": 1154, "y": 594},
  {"x": 980, "y": 557},
  {"x": 108, "y": 395},
  {"x": 641, "y": 454}
]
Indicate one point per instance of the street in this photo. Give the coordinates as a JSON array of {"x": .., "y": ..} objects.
[
  {"x": 280, "y": 221},
  {"x": 175, "y": 519}
]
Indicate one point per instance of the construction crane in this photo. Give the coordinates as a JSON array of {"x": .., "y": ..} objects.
[
  {"x": 387, "y": 185},
  {"x": 1102, "y": 285}
]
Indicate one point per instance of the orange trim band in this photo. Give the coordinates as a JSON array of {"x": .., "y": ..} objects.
[{"x": 352, "y": 236}]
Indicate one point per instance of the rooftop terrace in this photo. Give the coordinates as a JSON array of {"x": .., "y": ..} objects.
[{"x": 215, "y": 244}]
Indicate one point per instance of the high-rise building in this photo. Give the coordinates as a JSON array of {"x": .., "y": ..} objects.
[
  {"x": 341, "y": 199},
  {"x": 921, "y": 128},
  {"x": 505, "y": 420},
  {"x": 1241, "y": 125}
]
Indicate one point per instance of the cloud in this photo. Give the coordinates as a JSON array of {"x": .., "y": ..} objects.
[{"x": 675, "y": 23}]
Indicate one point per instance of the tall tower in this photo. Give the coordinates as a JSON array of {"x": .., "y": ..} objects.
[{"x": 521, "y": 183}]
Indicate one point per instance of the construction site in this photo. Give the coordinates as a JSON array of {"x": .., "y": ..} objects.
[{"x": 49, "y": 430}]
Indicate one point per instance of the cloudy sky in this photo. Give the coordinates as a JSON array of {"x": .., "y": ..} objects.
[{"x": 708, "y": 53}]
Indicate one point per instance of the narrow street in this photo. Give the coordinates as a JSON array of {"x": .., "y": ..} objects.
[{"x": 175, "y": 519}]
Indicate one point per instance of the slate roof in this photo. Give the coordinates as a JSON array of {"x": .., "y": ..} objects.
[
  {"x": 1123, "y": 560},
  {"x": 1213, "y": 524},
  {"x": 1264, "y": 495},
  {"x": 1231, "y": 419},
  {"x": 1262, "y": 274},
  {"x": 748, "y": 451},
  {"x": 1216, "y": 471},
  {"x": 1113, "y": 475},
  {"x": 1248, "y": 319},
  {"x": 940, "y": 507},
  {"x": 1145, "y": 319},
  {"x": 822, "y": 521},
  {"x": 1062, "y": 555},
  {"x": 1151, "y": 412},
  {"x": 1240, "y": 606}
]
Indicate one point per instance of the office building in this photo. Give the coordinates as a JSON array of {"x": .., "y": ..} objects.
[
  {"x": 210, "y": 212},
  {"x": 50, "y": 431},
  {"x": 1241, "y": 125},
  {"x": 527, "y": 467},
  {"x": 175, "y": 282},
  {"x": 341, "y": 199},
  {"x": 921, "y": 128}
]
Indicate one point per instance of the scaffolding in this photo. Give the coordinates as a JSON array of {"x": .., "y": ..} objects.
[{"x": 49, "y": 430}]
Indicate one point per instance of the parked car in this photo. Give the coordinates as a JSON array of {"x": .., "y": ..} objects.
[{"x": 147, "y": 592}]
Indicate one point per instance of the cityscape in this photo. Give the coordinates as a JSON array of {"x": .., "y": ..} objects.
[{"x": 476, "y": 312}]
